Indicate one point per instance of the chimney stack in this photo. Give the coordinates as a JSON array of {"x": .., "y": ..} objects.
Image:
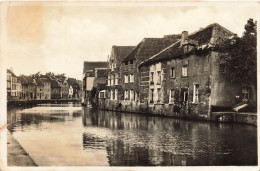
[{"x": 184, "y": 36}]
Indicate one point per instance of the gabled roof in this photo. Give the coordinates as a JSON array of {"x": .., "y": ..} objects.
[
  {"x": 23, "y": 80},
  {"x": 207, "y": 37},
  {"x": 150, "y": 46},
  {"x": 118, "y": 53},
  {"x": 90, "y": 66},
  {"x": 9, "y": 71},
  {"x": 29, "y": 79},
  {"x": 38, "y": 82},
  {"x": 60, "y": 78},
  {"x": 45, "y": 78}
]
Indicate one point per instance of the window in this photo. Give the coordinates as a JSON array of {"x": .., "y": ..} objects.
[
  {"x": 159, "y": 95},
  {"x": 131, "y": 94},
  {"x": 131, "y": 61},
  {"x": 126, "y": 94},
  {"x": 151, "y": 80},
  {"x": 245, "y": 95},
  {"x": 131, "y": 78},
  {"x": 195, "y": 93},
  {"x": 126, "y": 78},
  {"x": 116, "y": 94},
  {"x": 102, "y": 95},
  {"x": 109, "y": 80},
  {"x": 126, "y": 62},
  {"x": 111, "y": 95},
  {"x": 172, "y": 72},
  {"x": 151, "y": 95},
  {"x": 159, "y": 77},
  {"x": 172, "y": 94},
  {"x": 116, "y": 79},
  {"x": 184, "y": 71},
  {"x": 184, "y": 95},
  {"x": 112, "y": 79}
]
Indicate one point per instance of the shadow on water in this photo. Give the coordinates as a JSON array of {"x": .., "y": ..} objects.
[
  {"x": 124, "y": 139},
  {"x": 136, "y": 140}
]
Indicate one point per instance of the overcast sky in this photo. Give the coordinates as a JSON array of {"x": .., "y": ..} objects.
[{"x": 59, "y": 38}]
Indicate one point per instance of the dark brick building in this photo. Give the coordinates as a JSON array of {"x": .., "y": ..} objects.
[{"x": 185, "y": 78}]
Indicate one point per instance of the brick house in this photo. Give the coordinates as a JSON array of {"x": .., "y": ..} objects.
[
  {"x": 130, "y": 74},
  {"x": 89, "y": 76},
  {"x": 114, "y": 80},
  {"x": 185, "y": 78}
]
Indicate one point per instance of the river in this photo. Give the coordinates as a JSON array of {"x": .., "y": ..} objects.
[{"x": 71, "y": 135}]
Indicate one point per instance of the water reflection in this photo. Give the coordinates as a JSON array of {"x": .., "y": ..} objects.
[
  {"x": 139, "y": 140},
  {"x": 86, "y": 137}
]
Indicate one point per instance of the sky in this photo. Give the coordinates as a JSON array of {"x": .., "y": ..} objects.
[{"x": 59, "y": 37}]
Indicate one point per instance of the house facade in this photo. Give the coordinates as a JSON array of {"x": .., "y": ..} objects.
[
  {"x": 130, "y": 74},
  {"x": 24, "y": 88},
  {"x": 46, "y": 86},
  {"x": 114, "y": 89},
  {"x": 39, "y": 89},
  {"x": 13, "y": 86},
  {"x": 89, "y": 77},
  {"x": 186, "y": 78}
]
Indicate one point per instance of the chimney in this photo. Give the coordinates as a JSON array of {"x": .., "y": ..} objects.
[{"x": 184, "y": 36}]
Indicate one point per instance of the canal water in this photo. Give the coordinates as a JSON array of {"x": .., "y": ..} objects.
[{"x": 71, "y": 135}]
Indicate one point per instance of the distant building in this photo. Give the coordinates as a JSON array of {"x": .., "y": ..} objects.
[
  {"x": 8, "y": 85},
  {"x": 39, "y": 89},
  {"x": 31, "y": 87},
  {"x": 70, "y": 95},
  {"x": 72, "y": 82},
  {"x": 24, "y": 88},
  {"x": 89, "y": 76},
  {"x": 55, "y": 88},
  {"x": 13, "y": 86},
  {"x": 46, "y": 86}
]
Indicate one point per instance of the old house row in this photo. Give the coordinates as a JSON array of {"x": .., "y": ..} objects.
[
  {"x": 41, "y": 87},
  {"x": 173, "y": 75}
]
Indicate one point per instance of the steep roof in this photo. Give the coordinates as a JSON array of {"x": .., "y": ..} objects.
[
  {"x": 207, "y": 37},
  {"x": 28, "y": 79},
  {"x": 90, "y": 66},
  {"x": 23, "y": 80},
  {"x": 38, "y": 82},
  {"x": 45, "y": 78},
  {"x": 9, "y": 71},
  {"x": 118, "y": 53},
  {"x": 150, "y": 46}
]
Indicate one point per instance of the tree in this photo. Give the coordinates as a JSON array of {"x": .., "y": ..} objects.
[{"x": 238, "y": 55}]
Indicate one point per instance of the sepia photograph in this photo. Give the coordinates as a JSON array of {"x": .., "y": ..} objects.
[{"x": 128, "y": 84}]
